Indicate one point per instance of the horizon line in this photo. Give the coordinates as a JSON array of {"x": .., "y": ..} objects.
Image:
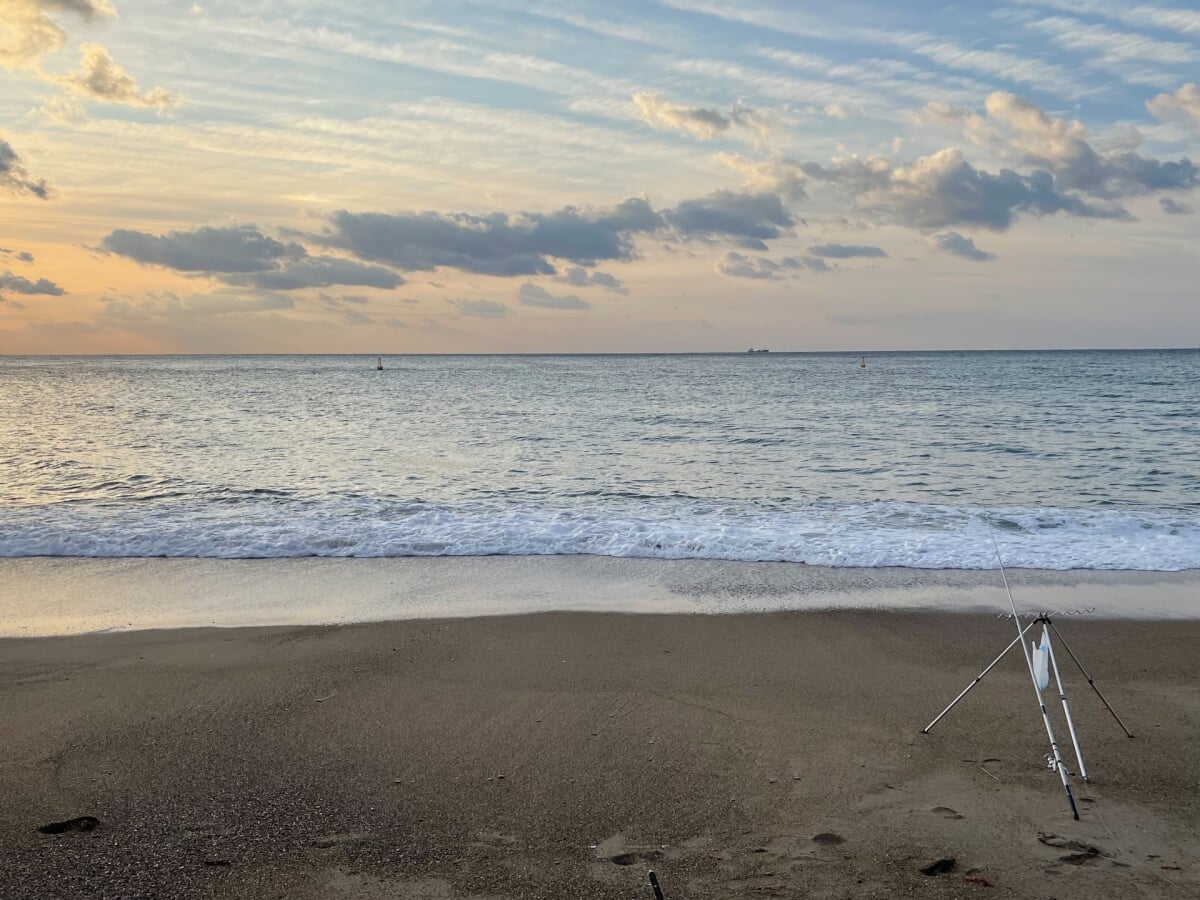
[{"x": 756, "y": 352}]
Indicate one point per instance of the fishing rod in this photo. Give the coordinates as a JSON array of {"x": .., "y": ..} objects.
[{"x": 1037, "y": 689}]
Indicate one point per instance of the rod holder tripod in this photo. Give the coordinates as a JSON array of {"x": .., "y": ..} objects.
[{"x": 1039, "y": 685}]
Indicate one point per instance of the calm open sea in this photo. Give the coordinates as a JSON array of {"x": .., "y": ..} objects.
[{"x": 1077, "y": 459}]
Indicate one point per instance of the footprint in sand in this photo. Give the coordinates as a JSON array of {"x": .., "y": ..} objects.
[
  {"x": 1083, "y": 852},
  {"x": 628, "y": 859},
  {"x": 940, "y": 867},
  {"x": 947, "y": 813},
  {"x": 329, "y": 841},
  {"x": 828, "y": 839},
  {"x": 81, "y": 823}
]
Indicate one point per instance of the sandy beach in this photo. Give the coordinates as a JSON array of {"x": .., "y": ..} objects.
[{"x": 562, "y": 755}]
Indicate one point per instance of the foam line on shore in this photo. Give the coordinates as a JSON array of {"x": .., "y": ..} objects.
[{"x": 49, "y": 596}]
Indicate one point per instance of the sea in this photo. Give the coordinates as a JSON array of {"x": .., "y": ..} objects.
[{"x": 1069, "y": 460}]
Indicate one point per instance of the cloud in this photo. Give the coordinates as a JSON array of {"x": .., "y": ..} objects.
[
  {"x": 737, "y": 265},
  {"x": 243, "y": 255},
  {"x": 845, "y": 251},
  {"x": 975, "y": 128},
  {"x": 238, "y": 248},
  {"x": 28, "y": 33},
  {"x": 956, "y": 244},
  {"x": 750, "y": 219},
  {"x": 1114, "y": 47},
  {"x": 495, "y": 244},
  {"x": 532, "y": 295},
  {"x": 99, "y": 78},
  {"x": 14, "y": 178},
  {"x": 168, "y": 308},
  {"x": 700, "y": 122},
  {"x": 580, "y": 277},
  {"x": 1186, "y": 100},
  {"x": 1061, "y": 147},
  {"x": 339, "y": 302},
  {"x": 1020, "y": 130},
  {"x": 943, "y": 189},
  {"x": 318, "y": 271},
  {"x": 22, "y": 255},
  {"x": 1170, "y": 207},
  {"x": 480, "y": 309},
  {"x": 523, "y": 244},
  {"x": 19, "y": 284},
  {"x": 778, "y": 175}
]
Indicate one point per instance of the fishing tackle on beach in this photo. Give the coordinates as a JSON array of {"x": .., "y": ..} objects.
[{"x": 1041, "y": 662}]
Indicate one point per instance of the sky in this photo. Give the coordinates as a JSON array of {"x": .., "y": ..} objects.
[{"x": 275, "y": 176}]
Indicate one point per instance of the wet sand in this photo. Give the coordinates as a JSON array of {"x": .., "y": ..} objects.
[
  {"x": 562, "y": 755},
  {"x": 41, "y": 596}
]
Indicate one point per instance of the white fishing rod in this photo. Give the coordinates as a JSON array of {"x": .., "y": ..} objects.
[{"x": 1058, "y": 763}]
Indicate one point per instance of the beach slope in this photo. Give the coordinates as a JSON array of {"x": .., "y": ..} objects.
[{"x": 562, "y": 755}]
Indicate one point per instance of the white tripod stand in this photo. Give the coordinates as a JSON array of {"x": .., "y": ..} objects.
[{"x": 1040, "y": 660}]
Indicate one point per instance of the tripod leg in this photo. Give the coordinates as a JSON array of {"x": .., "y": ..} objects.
[
  {"x": 1107, "y": 705},
  {"x": 1067, "y": 712},
  {"x": 1058, "y": 763},
  {"x": 978, "y": 678}
]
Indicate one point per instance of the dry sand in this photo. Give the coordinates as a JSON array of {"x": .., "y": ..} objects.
[{"x": 561, "y": 755}]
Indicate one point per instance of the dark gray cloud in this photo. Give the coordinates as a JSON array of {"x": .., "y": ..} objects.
[
  {"x": 239, "y": 248},
  {"x": 243, "y": 255},
  {"x": 1123, "y": 174},
  {"x": 14, "y": 178},
  {"x": 943, "y": 190},
  {"x": 749, "y": 219},
  {"x": 495, "y": 244},
  {"x": 958, "y": 245},
  {"x": 19, "y": 284},
  {"x": 845, "y": 251},
  {"x": 578, "y": 276},
  {"x": 525, "y": 244},
  {"x": 318, "y": 271},
  {"x": 737, "y": 265},
  {"x": 1173, "y": 208},
  {"x": 21, "y": 255},
  {"x": 480, "y": 309},
  {"x": 533, "y": 295}
]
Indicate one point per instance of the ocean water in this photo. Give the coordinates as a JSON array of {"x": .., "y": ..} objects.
[{"x": 1075, "y": 460}]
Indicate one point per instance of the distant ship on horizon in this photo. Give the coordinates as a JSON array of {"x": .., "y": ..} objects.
[{"x": 752, "y": 350}]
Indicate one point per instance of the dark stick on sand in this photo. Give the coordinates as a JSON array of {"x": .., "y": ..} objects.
[{"x": 658, "y": 894}]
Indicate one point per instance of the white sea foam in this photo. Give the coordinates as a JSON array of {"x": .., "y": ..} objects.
[{"x": 864, "y": 535}]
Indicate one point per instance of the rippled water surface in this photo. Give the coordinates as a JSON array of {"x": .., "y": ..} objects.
[{"x": 1079, "y": 460}]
